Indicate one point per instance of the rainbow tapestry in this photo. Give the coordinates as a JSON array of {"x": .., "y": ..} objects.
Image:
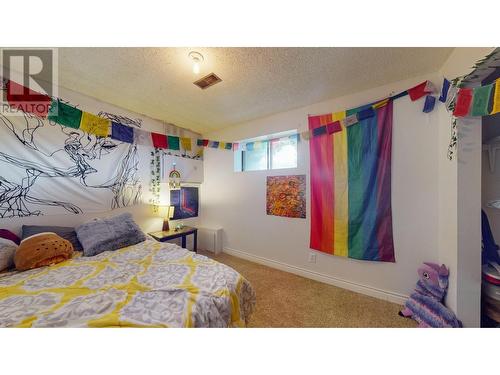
[{"x": 351, "y": 186}]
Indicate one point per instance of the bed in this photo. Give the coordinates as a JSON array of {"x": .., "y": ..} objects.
[{"x": 150, "y": 284}]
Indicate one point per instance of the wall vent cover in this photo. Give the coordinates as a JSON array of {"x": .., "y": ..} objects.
[{"x": 207, "y": 81}]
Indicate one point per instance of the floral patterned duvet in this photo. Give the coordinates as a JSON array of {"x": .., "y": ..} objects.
[{"x": 150, "y": 284}]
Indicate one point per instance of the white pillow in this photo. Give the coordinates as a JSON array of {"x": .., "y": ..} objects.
[{"x": 7, "y": 251}]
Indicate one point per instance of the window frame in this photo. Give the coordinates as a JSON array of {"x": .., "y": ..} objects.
[{"x": 269, "y": 162}]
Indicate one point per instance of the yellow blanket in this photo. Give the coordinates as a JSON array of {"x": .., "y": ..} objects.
[{"x": 150, "y": 284}]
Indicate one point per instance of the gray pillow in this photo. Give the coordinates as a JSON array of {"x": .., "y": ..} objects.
[
  {"x": 68, "y": 233},
  {"x": 7, "y": 251},
  {"x": 110, "y": 234}
]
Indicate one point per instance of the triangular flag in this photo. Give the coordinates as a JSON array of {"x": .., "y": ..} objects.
[
  {"x": 93, "y": 124},
  {"x": 444, "y": 90},
  {"x": 430, "y": 102},
  {"x": 481, "y": 100},
  {"x": 462, "y": 105},
  {"x": 186, "y": 143},
  {"x": 496, "y": 98},
  {"x": 420, "y": 90}
]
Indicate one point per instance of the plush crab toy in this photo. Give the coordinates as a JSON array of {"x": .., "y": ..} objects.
[{"x": 425, "y": 304}]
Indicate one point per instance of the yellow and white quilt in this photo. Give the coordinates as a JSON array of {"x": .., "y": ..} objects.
[{"x": 150, "y": 284}]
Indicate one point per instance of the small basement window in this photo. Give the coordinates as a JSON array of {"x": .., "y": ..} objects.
[{"x": 275, "y": 151}]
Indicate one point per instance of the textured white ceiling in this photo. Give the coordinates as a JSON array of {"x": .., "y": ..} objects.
[{"x": 256, "y": 82}]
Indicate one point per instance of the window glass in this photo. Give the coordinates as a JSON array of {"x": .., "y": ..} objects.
[
  {"x": 255, "y": 160},
  {"x": 284, "y": 153}
]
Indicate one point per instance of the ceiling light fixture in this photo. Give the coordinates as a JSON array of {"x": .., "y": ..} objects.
[{"x": 197, "y": 60}]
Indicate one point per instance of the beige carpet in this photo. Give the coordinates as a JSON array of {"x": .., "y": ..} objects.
[{"x": 287, "y": 300}]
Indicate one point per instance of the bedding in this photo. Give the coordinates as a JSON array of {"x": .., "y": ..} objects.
[
  {"x": 113, "y": 233},
  {"x": 150, "y": 284}
]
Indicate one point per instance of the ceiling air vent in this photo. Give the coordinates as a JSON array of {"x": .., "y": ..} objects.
[{"x": 207, "y": 81}]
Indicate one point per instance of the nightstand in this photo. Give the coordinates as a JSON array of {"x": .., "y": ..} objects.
[{"x": 163, "y": 236}]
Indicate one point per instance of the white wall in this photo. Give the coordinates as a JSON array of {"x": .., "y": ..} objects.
[
  {"x": 142, "y": 213},
  {"x": 235, "y": 201}
]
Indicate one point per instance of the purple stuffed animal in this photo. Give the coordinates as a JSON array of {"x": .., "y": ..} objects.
[{"x": 425, "y": 304}]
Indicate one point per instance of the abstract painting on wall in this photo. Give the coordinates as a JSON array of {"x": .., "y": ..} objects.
[
  {"x": 185, "y": 201},
  {"x": 286, "y": 196}
]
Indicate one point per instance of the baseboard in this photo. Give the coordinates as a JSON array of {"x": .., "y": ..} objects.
[{"x": 349, "y": 285}]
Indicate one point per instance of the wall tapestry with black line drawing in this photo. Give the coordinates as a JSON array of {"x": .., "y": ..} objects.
[
  {"x": 48, "y": 169},
  {"x": 185, "y": 202}
]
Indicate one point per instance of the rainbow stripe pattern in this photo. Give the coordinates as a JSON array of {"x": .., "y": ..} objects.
[{"x": 351, "y": 212}]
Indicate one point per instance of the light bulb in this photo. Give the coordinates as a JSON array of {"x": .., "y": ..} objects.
[{"x": 196, "y": 67}]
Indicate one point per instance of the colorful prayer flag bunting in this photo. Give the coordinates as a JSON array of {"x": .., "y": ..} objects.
[
  {"x": 464, "y": 100},
  {"x": 173, "y": 142},
  {"x": 249, "y": 146},
  {"x": 229, "y": 146},
  {"x": 214, "y": 144},
  {"x": 236, "y": 146},
  {"x": 159, "y": 140},
  {"x": 430, "y": 102},
  {"x": 496, "y": 98},
  {"x": 122, "y": 133},
  {"x": 26, "y": 100},
  {"x": 420, "y": 90},
  {"x": 481, "y": 100},
  {"x": 65, "y": 114},
  {"x": 186, "y": 143},
  {"x": 444, "y": 91},
  {"x": 93, "y": 124}
]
